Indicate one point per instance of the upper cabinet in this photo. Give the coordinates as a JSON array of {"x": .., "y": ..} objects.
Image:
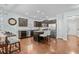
[
  {"x": 44, "y": 23},
  {"x": 37, "y": 24}
]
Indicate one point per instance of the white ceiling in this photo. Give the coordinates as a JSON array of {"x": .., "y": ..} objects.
[{"x": 48, "y": 10}]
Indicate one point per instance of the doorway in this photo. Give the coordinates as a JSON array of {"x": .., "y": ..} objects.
[{"x": 72, "y": 34}]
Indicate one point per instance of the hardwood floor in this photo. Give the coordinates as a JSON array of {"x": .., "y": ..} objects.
[{"x": 29, "y": 46}]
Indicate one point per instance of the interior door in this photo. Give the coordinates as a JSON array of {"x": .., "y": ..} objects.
[{"x": 72, "y": 32}]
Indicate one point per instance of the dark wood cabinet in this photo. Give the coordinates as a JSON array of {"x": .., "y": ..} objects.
[
  {"x": 22, "y": 34},
  {"x": 37, "y": 24}
]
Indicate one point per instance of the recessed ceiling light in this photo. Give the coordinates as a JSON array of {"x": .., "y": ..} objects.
[
  {"x": 34, "y": 16},
  {"x": 42, "y": 13},
  {"x": 46, "y": 16},
  {"x": 38, "y": 11},
  {"x": 26, "y": 13}
]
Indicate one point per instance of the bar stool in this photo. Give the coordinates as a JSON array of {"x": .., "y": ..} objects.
[
  {"x": 45, "y": 38},
  {"x": 46, "y": 35}
]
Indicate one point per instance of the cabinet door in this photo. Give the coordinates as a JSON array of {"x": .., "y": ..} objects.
[
  {"x": 37, "y": 24},
  {"x": 22, "y": 34}
]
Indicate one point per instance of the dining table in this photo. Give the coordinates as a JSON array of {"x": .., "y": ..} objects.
[{"x": 6, "y": 36}]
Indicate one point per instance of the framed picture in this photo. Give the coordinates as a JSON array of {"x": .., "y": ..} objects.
[
  {"x": 22, "y": 22},
  {"x": 12, "y": 21}
]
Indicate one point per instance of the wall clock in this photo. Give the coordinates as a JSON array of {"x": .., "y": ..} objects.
[{"x": 12, "y": 21}]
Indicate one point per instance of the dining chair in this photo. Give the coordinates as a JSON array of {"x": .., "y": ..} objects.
[
  {"x": 14, "y": 44},
  {"x": 2, "y": 44},
  {"x": 46, "y": 35}
]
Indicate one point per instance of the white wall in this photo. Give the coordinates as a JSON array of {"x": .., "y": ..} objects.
[
  {"x": 72, "y": 27},
  {"x": 59, "y": 26},
  {"x": 62, "y": 23},
  {"x": 7, "y": 27},
  {"x": 15, "y": 28}
]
